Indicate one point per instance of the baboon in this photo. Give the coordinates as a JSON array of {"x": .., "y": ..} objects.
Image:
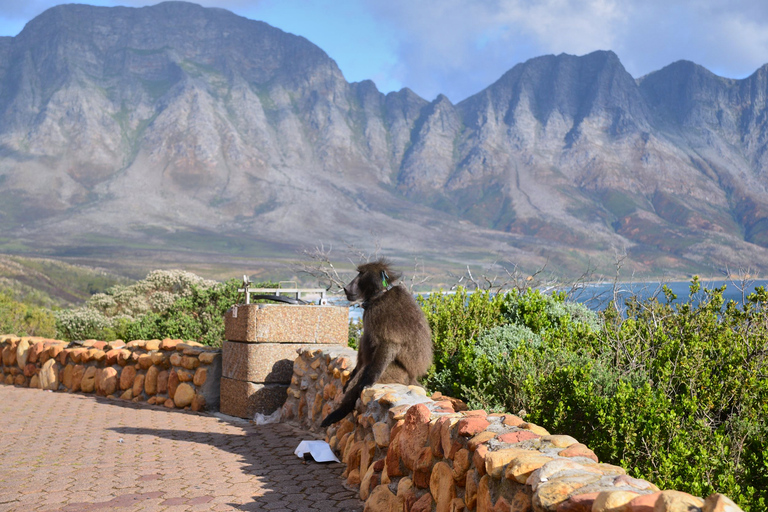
[{"x": 396, "y": 345}]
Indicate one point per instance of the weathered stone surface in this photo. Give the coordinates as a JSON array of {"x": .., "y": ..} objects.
[
  {"x": 578, "y": 503},
  {"x": 468, "y": 427},
  {"x": 522, "y": 466},
  {"x": 613, "y": 501},
  {"x": 275, "y": 323},
  {"x": 245, "y": 399},
  {"x": 22, "y": 351},
  {"x": 414, "y": 434},
  {"x": 185, "y": 375},
  {"x": 184, "y": 395},
  {"x": 535, "y": 429},
  {"x": 138, "y": 385},
  {"x": 34, "y": 382},
  {"x": 551, "y": 494},
  {"x": 579, "y": 450},
  {"x": 209, "y": 356},
  {"x": 482, "y": 437},
  {"x": 198, "y": 403},
  {"x": 495, "y": 461},
  {"x": 127, "y": 395},
  {"x": 461, "y": 463},
  {"x": 88, "y": 384},
  {"x": 20, "y": 380},
  {"x": 517, "y": 437},
  {"x": 191, "y": 363},
  {"x": 169, "y": 344},
  {"x": 49, "y": 375},
  {"x": 29, "y": 369},
  {"x": 127, "y": 376},
  {"x": 162, "y": 382},
  {"x": 676, "y": 501},
  {"x": 643, "y": 503},
  {"x": 106, "y": 381},
  {"x": 151, "y": 380},
  {"x": 483, "y": 500},
  {"x": 201, "y": 374},
  {"x": 511, "y": 420},
  {"x": 77, "y": 377},
  {"x": 34, "y": 352},
  {"x": 423, "y": 504},
  {"x": 381, "y": 434},
  {"x": 124, "y": 357},
  {"x": 720, "y": 503},
  {"x": 382, "y": 500},
  {"x": 441, "y": 486},
  {"x": 259, "y": 362},
  {"x": 145, "y": 361},
  {"x": 66, "y": 375}
]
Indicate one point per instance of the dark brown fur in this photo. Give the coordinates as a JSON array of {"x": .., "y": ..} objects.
[{"x": 396, "y": 345}]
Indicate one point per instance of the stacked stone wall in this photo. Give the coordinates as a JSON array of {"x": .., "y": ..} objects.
[
  {"x": 173, "y": 373},
  {"x": 409, "y": 452}
]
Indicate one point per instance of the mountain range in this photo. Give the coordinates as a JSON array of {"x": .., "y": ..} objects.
[{"x": 177, "y": 132}]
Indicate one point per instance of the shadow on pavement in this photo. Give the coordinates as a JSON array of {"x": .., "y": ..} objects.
[{"x": 285, "y": 482}]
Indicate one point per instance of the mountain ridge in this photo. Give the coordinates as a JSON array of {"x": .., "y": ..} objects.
[{"x": 159, "y": 127}]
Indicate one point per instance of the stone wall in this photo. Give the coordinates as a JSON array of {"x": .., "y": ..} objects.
[
  {"x": 261, "y": 343},
  {"x": 407, "y": 451},
  {"x": 173, "y": 373}
]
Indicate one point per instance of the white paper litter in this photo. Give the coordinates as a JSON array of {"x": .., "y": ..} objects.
[
  {"x": 320, "y": 451},
  {"x": 260, "y": 419}
]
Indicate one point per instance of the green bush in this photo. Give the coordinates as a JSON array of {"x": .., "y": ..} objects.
[
  {"x": 24, "y": 319},
  {"x": 674, "y": 393}
]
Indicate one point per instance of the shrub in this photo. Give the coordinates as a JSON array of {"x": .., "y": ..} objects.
[{"x": 24, "y": 319}]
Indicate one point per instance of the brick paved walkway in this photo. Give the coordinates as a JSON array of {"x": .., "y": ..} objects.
[{"x": 63, "y": 452}]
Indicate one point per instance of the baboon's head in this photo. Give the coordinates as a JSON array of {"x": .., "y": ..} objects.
[{"x": 371, "y": 278}]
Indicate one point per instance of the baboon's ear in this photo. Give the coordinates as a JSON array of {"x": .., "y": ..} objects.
[{"x": 384, "y": 278}]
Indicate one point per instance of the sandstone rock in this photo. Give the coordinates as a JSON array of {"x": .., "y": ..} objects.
[
  {"x": 613, "y": 501},
  {"x": 175, "y": 359},
  {"x": 66, "y": 375},
  {"x": 484, "y": 503},
  {"x": 111, "y": 357},
  {"x": 468, "y": 427},
  {"x": 127, "y": 376},
  {"x": 511, "y": 420},
  {"x": 578, "y": 503},
  {"x": 101, "y": 345},
  {"x": 29, "y": 369},
  {"x": 495, "y": 461},
  {"x": 159, "y": 358},
  {"x": 676, "y": 501},
  {"x": 150, "y": 381},
  {"x": 354, "y": 479},
  {"x": 34, "y": 382},
  {"x": 470, "y": 489},
  {"x": 34, "y": 352},
  {"x": 169, "y": 403},
  {"x": 200, "y": 376},
  {"x": 579, "y": 450},
  {"x": 77, "y": 377},
  {"x": 198, "y": 403},
  {"x": 145, "y": 361},
  {"x": 20, "y": 380},
  {"x": 643, "y": 503},
  {"x": 551, "y": 494},
  {"x": 380, "y": 433},
  {"x": 447, "y": 431},
  {"x": 22, "y": 352},
  {"x": 523, "y": 465},
  {"x": 720, "y": 503},
  {"x": 535, "y": 429},
  {"x": 138, "y": 385},
  {"x": 169, "y": 344},
  {"x": 482, "y": 437},
  {"x": 365, "y": 484},
  {"x": 382, "y": 500},
  {"x": 190, "y": 362},
  {"x": 441, "y": 486},
  {"x": 517, "y": 437},
  {"x": 88, "y": 383},
  {"x": 423, "y": 504},
  {"x": 422, "y": 469},
  {"x": 127, "y": 395},
  {"x": 162, "y": 382},
  {"x": 478, "y": 458},
  {"x": 461, "y": 462},
  {"x": 124, "y": 357},
  {"x": 185, "y": 376},
  {"x": 95, "y": 354},
  {"x": 414, "y": 434},
  {"x": 151, "y": 345},
  {"x": 626, "y": 480},
  {"x": 49, "y": 375},
  {"x": 208, "y": 357},
  {"x": 116, "y": 344},
  {"x": 106, "y": 381}
]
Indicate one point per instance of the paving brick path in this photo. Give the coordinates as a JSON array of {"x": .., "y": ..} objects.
[{"x": 63, "y": 452}]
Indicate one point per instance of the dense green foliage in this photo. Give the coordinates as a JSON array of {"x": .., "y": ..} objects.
[
  {"x": 675, "y": 393},
  {"x": 167, "y": 304},
  {"x": 23, "y": 318}
]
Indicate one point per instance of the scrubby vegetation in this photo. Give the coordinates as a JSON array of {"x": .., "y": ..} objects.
[
  {"x": 168, "y": 303},
  {"x": 24, "y": 318},
  {"x": 675, "y": 393}
]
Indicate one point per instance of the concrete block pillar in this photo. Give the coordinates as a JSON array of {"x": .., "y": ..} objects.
[{"x": 262, "y": 343}]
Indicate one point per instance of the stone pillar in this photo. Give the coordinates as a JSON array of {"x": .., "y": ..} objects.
[{"x": 262, "y": 343}]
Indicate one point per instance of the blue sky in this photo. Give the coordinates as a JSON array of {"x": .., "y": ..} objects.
[{"x": 459, "y": 47}]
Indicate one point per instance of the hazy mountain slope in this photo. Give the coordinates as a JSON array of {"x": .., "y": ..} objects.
[{"x": 185, "y": 128}]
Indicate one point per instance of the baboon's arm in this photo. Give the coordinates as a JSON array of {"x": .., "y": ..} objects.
[{"x": 384, "y": 355}]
